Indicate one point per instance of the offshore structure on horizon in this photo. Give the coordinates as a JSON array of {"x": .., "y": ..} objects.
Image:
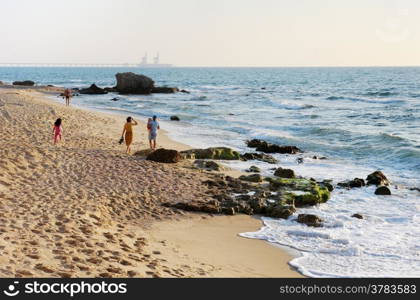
[
  {"x": 143, "y": 64},
  {"x": 156, "y": 62}
]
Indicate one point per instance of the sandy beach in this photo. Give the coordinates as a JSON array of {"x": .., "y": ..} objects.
[{"x": 84, "y": 208}]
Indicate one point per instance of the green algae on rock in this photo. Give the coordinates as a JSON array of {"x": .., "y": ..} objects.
[
  {"x": 300, "y": 191},
  {"x": 218, "y": 153}
]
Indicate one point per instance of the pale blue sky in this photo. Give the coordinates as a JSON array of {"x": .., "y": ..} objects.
[{"x": 213, "y": 32}]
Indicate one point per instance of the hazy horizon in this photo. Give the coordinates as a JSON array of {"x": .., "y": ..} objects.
[{"x": 188, "y": 33}]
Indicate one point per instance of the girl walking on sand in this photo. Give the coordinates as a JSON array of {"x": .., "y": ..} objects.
[
  {"x": 57, "y": 131},
  {"x": 128, "y": 131}
]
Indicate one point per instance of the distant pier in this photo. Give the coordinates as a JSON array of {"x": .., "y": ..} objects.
[{"x": 75, "y": 65}]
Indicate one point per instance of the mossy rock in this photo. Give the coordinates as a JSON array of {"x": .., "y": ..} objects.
[
  {"x": 219, "y": 153},
  {"x": 300, "y": 184},
  {"x": 316, "y": 196},
  {"x": 300, "y": 191}
]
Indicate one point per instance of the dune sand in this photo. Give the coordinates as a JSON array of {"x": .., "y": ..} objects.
[{"x": 84, "y": 208}]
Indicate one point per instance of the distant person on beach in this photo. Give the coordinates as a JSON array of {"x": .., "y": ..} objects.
[
  {"x": 57, "y": 131},
  {"x": 154, "y": 127},
  {"x": 128, "y": 131},
  {"x": 67, "y": 95}
]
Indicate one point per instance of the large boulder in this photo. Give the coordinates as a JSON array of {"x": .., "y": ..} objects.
[
  {"x": 93, "y": 90},
  {"x": 175, "y": 118},
  {"x": 285, "y": 173},
  {"x": 266, "y": 147},
  {"x": 24, "y": 83},
  {"x": 310, "y": 220},
  {"x": 130, "y": 83},
  {"x": 377, "y": 178},
  {"x": 259, "y": 156},
  {"x": 164, "y": 156},
  {"x": 219, "y": 153},
  {"x": 164, "y": 90}
]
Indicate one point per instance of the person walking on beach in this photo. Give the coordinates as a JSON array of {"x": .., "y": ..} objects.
[
  {"x": 57, "y": 131},
  {"x": 154, "y": 127},
  {"x": 128, "y": 131},
  {"x": 67, "y": 95}
]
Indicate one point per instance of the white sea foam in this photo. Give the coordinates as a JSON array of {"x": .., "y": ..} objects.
[{"x": 384, "y": 244}]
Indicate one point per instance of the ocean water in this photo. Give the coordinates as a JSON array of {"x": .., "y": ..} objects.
[{"x": 361, "y": 119}]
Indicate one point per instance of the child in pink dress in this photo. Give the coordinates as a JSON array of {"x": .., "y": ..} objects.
[{"x": 57, "y": 131}]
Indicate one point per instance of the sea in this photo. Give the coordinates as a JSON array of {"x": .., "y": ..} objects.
[{"x": 362, "y": 119}]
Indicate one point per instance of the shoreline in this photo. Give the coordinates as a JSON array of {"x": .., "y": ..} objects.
[
  {"x": 92, "y": 139},
  {"x": 214, "y": 241}
]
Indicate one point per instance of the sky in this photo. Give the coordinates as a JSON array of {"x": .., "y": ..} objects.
[{"x": 212, "y": 32}]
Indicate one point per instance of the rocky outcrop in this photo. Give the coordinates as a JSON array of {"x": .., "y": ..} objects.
[
  {"x": 355, "y": 183},
  {"x": 266, "y": 147},
  {"x": 93, "y": 90},
  {"x": 310, "y": 220},
  {"x": 24, "y": 83},
  {"x": 260, "y": 157},
  {"x": 383, "y": 190},
  {"x": 164, "y": 90},
  {"x": 130, "y": 83},
  {"x": 184, "y": 91},
  {"x": 285, "y": 173},
  {"x": 219, "y": 153},
  {"x": 377, "y": 178},
  {"x": 175, "y": 118},
  {"x": 357, "y": 216},
  {"x": 208, "y": 165},
  {"x": 252, "y": 178},
  {"x": 164, "y": 156},
  {"x": 279, "y": 200}
]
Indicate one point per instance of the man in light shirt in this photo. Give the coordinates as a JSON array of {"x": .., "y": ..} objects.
[{"x": 154, "y": 127}]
